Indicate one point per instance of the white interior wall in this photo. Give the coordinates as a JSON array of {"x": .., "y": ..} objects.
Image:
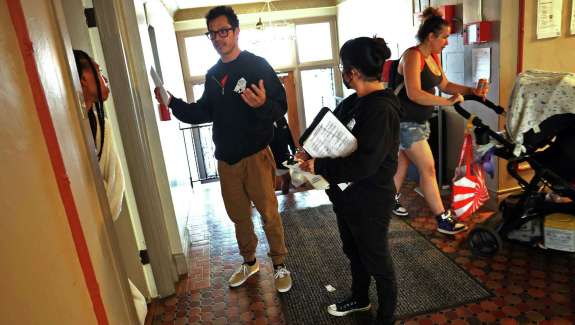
[
  {"x": 129, "y": 232},
  {"x": 154, "y": 132},
  {"x": 390, "y": 19},
  {"x": 171, "y": 138}
]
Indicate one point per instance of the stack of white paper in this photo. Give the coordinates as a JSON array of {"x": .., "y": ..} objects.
[{"x": 330, "y": 139}]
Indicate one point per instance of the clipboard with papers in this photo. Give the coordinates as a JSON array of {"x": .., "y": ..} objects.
[{"x": 327, "y": 137}]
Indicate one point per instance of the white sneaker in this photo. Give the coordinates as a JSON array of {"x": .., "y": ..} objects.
[
  {"x": 242, "y": 274},
  {"x": 398, "y": 209},
  {"x": 346, "y": 307},
  {"x": 282, "y": 279}
]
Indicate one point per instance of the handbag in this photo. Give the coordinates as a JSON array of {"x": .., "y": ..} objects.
[{"x": 468, "y": 191}]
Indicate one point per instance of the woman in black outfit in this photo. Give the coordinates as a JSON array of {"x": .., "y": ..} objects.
[{"x": 363, "y": 208}]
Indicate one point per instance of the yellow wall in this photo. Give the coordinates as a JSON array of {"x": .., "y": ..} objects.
[
  {"x": 553, "y": 54},
  {"x": 40, "y": 275}
]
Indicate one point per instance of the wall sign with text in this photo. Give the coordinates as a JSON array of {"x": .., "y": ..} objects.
[{"x": 549, "y": 18}]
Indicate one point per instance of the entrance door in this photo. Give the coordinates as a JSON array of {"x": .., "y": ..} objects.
[{"x": 288, "y": 82}]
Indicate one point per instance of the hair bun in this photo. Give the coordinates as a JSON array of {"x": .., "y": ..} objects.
[
  {"x": 430, "y": 12},
  {"x": 381, "y": 49}
]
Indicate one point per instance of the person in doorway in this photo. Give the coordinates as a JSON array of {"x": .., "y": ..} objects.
[
  {"x": 283, "y": 148},
  {"x": 363, "y": 207},
  {"x": 243, "y": 97},
  {"x": 95, "y": 91},
  {"x": 421, "y": 73}
]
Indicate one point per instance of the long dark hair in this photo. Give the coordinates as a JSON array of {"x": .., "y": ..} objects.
[
  {"x": 83, "y": 62},
  {"x": 366, "y": 54},
  {"x": 431, "y": 22}
]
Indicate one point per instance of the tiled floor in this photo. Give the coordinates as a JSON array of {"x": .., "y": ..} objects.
[{"x": 530, "y": 286}]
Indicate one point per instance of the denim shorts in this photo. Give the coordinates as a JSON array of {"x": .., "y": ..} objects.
[{"x": 412, "y": 132}]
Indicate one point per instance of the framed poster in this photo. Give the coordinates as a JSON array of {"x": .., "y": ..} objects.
[
  {"x": 549, "y": 18},
  {"x": 480, "y": 64}
]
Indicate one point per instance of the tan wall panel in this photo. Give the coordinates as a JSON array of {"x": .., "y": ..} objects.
[
  {"x": 40, "y": 276},
  {"x": 46, "y": 281},
  {"x": 553, "y": 54},
  {"x": 509, "y": 30},
  {"x": 81, "y": 166}
]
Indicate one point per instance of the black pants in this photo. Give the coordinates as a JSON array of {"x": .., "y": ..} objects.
[{"x": 364, "y": 234}]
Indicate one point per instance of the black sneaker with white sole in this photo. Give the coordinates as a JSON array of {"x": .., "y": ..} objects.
[
  {"x": 347, "y": 307},
  {"x": 398, "y": 209},
  {"x": 447, "y": 224}
]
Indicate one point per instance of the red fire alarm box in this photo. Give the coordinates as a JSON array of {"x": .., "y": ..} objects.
[
  {"x": 449, "y": 15},
  {"x": 476, "y": 33}
]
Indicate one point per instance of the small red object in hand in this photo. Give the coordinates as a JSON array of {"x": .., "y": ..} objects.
[{"x": 164, "y": 112}]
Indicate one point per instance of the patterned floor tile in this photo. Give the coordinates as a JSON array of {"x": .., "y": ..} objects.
[{"x": 530, "y": 286}]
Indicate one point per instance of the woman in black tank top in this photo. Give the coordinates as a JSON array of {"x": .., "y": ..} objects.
[{"x": 421, "y": 70}]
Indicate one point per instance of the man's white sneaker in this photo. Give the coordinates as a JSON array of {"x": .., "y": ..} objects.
[
  {"x": 242, "y": 274},
  {"x": 282, "y": 279}
]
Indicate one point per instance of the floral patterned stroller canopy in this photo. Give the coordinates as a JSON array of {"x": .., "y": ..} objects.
[{"x": 538, "y": 95}]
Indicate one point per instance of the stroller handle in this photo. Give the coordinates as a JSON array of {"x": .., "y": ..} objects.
[
  {"x": 477, "y": 122},
  {"x": 496, "y": 108}
]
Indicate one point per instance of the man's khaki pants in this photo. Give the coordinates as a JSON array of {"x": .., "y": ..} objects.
[{"x": 252, "y": 180}]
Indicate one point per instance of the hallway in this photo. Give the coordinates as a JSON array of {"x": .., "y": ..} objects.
[{"x": 528, "y": 286}]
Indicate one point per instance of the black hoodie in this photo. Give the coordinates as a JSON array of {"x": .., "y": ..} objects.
[
  {"x": 374, "y": 121},
  {"x": 238, "y": 130}
]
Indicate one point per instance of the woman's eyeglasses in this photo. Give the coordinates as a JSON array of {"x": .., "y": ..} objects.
[{"x": 222, "y": 33}]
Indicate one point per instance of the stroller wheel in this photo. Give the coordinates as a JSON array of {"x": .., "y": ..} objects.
[{"x": 484, "y": 241}]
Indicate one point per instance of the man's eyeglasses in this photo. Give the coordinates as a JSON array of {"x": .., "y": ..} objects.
[{"x": 222, "y": 33}]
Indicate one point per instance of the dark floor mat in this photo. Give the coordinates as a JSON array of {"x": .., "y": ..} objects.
[{"x": 427, "y": 280}]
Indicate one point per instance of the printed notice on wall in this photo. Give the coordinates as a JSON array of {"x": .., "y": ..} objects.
[
  {"x": 549, "y": 18},
  {"x": 480, "y": 63}
]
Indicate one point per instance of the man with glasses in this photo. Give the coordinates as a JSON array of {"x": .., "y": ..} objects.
[{"x": 243, "y": 97}]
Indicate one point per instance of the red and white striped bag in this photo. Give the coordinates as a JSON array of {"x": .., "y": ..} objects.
[{"x": 468, "y": 191}]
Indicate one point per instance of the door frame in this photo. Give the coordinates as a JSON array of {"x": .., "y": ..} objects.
[
  {"x": 122, "y": 49},
  {"x": 108, "y": 230}
]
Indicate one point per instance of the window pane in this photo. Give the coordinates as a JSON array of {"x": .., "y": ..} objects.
[
  {"x": 318, "y": 91},
  {"x": 313, "y": 42},
  {"x": 275, "y": 44},
  {"x": 197, "y": 91},
  {"x": 201, "y": 55}
]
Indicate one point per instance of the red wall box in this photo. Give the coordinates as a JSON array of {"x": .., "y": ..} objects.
[
  {"x": 476, "y": 33},
  {"x": 449, "y": 15}
]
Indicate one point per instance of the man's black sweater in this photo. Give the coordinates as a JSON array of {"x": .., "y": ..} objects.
[
  {"x": 374, "y": 121},
  {"x": 238, "y": 129}
]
